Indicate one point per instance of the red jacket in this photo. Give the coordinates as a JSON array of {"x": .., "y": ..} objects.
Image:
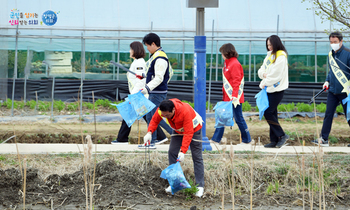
[
  {"x": 233, "y": 72},
  {"x": 184, "y": 114}
]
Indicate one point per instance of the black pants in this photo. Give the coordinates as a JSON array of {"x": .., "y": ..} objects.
[
  {"x": 333, "y": 101},
  {"x": 196, "y": 150},
  {"x": 271, "y": 117},
  {"x": 124, "y": 131}
]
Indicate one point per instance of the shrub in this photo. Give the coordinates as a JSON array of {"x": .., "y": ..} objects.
[
  {"x": 321, "y": 107},
  {"x": 304, "y": 107},
  {"x": 246, "y": 107},
  {"x": 31, "y": 104},
  {"x": 59, "y": 105},
  {"x": 44, "y": 106},
  {"x": 73, "y": 106},
  {"x": 88, "y": 105},
  {"x": 340, "y": 109},
  {"x": 286, "y": 107}
]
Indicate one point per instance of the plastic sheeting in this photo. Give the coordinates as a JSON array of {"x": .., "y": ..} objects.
[{"x": 67, "y": 90}]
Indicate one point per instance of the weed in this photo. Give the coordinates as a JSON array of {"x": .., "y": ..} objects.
[
  {"x": 301, "y": 107},
  {"x": 246, "y": 107},
  {"x": 73, "y": 106},
  {"x": 44, "y": 106},
  {"x": 59, "y": 105},
  {"x": 340, "y": 109},
  {"x": 273, "y": 188},
  {"x": 85, "y": 131},
  {"x": 189, "y": 192},
  {"x": 286, "y": 107},
  {"x": 2, "y": 158},
  {"x": 332, "y": 139},
  {"x": 210, "y": 106},
  {"x": 31, "y": 104},
  {"x": 321, "y": 107},
  {"x": 88, "y": 105}
]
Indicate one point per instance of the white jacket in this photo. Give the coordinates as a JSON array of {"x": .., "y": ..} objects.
[
  {"x": 276, "y": 74},
  {"x": 139, "y": 67}
]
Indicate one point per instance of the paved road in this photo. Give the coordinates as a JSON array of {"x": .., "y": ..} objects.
[{"x": 102, "y": 148}]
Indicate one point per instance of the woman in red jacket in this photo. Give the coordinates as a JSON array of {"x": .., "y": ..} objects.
[{"x": 233, "y": 83}]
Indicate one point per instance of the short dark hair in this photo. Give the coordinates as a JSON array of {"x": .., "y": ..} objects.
[
  {"x": 276, "y": 44},
  {"x": 166, "y": 106},
  {"x": 151, "y": 38},
  {"x": 336, "y": 34},
  {"x": 228, "y": 50},
  {"x": 139, "y": 51}
]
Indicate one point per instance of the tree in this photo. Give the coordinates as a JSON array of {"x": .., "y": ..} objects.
[{"x": 333, "y": 10}]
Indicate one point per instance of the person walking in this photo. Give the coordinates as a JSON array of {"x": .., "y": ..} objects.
[
  {"x": 158, "y": 74},
  {"x": 337, "y": 84},
  {"x": 233, "y": 83},
  {"x": 274, "y": 75},
  {"x": 187, "y": 131},
  {"x": 135, "y": 83}
]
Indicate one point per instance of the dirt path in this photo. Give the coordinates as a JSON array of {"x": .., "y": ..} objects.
[{"x": 298, "y": 128}]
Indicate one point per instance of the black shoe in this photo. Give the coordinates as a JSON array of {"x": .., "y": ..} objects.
[
  {"x": 282, "y": 141},
  {"x": 348, "y": 145},
  {"x": 270, "y": 145},
  {"x": 323, "y": 143}
]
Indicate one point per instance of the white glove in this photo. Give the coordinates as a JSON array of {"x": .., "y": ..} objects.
[
  {"x": 147, "y": 138},
  {"x": 144, "y": 91},
  {"x": 181, "y": 157},
  {"x": 326, "y": 85},
  {"x": 235, "y": 100}
]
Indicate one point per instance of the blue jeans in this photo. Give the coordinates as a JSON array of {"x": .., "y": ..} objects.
[
  {"x": 333, "y": 101},
  {"x": 156, "y": 98},
  {"x": 242, "y": 125}
]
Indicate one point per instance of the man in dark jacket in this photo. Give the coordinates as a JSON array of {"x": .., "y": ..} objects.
[{"x": 337, "y": 83}]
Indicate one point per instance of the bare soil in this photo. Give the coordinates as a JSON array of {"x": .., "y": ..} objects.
[{"x": 131, "y": 181}]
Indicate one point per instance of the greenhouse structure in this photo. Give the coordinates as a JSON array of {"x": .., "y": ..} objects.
[{"x": 78, "y": 39}]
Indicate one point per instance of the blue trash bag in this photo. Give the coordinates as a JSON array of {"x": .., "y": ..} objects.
[
  {"x": 262, "y": 102},
  {"x": 223, "y": 114},
  {"x": 140, "y": 104},
  {"x": 347, "y": 100},
  {"x": 127, "y": 112},
  {"x": 175, "y": 177}
]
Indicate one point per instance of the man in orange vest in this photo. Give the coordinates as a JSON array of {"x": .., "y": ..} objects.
[{"x": 187, "y": 126}]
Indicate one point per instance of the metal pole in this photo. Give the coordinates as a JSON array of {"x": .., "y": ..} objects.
[
  {"x": 82, "y": 77},
  {"x": 315, "y": 61},
  {"x": 200, "y": 74},
  {"x": 217, "y": 60},
  {"x": 278, "y": 20},
  {"x": 211, "y": 64},
  {"x": 52, "y": 96},
  {"x": 118, "y": 59},
  {"x": 113, "y": 58},
  {"x": 14, "y": 71},
  {"x": 254, "y": 69},
  {"x": 183, "y": 60},
  {"x": 250, "y": 61}
]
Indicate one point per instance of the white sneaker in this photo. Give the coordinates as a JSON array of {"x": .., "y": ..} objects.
[
  {"x": 200, "y": 192},
  {"x": 250, "y": 143},
  {"x": 168, "y": 190},
  {"x": 160, "y": 141}
]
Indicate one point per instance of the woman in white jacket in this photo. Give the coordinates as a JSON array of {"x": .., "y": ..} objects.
[
  {"x": 274, "y": 75},
  {"x": 137, "y": 52}
]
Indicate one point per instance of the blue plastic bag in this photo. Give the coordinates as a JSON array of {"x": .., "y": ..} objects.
[
  {"x": 140, "y": 104},
  {"x": 175, "y": 177},
  {"x": 223, "y": 114},
  {"x": 262, "y": 102},
  {"x": 127, "y": 112},
  {"x": 346, "y": 100}
]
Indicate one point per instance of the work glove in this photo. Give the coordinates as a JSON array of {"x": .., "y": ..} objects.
[
  {"x": 235, "y": 100},
  {"x": 181, "y": 157},
  {"x": 139, "y": 76},
  {"x": 144, "y": 91},
  {"x": 326, "y": 85},
  {"x": 147, "y": 139}
]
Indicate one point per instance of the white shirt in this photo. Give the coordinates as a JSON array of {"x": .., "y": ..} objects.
[
  {"x": 276, "y": 74},
  {"x": 139, "y": 67}
]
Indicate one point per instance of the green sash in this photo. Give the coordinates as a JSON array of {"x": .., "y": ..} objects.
[{"x": 339, "y": 74}]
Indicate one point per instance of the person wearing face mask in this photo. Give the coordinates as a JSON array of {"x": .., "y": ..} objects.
[
  {"x": 274, "y": 75},
  {"x": 337, "y": 83}
]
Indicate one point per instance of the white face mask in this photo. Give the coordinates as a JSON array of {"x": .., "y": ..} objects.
[{"x": 335, "y": 47}]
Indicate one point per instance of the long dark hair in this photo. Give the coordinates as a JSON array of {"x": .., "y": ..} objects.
[{"x": 276, "y": 44}]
